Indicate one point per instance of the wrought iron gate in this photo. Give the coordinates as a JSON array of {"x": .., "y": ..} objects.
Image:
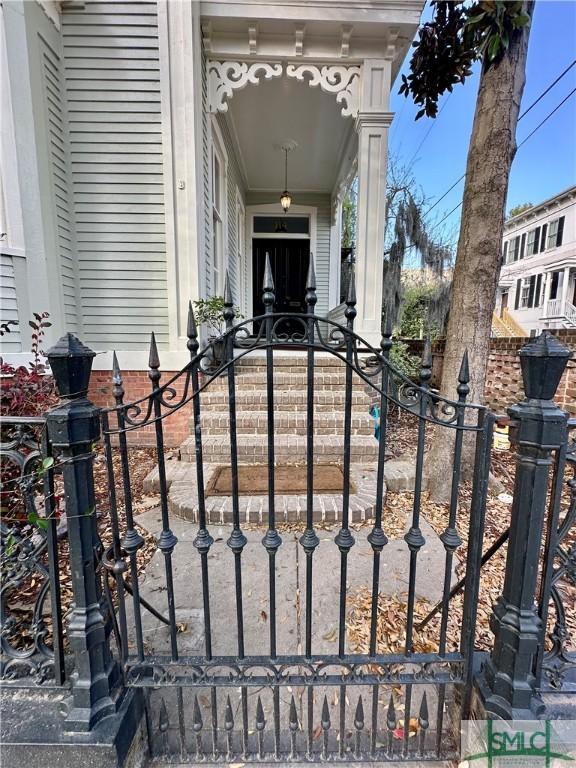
[{"x": 305, "y": 705}]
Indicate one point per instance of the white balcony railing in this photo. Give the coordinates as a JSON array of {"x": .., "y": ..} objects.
[{"x": 554, "y": 308}]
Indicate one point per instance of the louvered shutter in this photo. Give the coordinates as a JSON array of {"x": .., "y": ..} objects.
[
  {"x": 518, "y": 292},
  {"x": 522, "y": 245},
  {"x": 543, "y": 238},
  {"x": 538, "y": 297},
  {"x": 531, "y": 290},
  {"x": 560, "y": 232},
  {"x": 536, "y": 246}
]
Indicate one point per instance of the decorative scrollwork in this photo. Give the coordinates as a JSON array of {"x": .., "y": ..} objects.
[
  {"x": 305, "y": 331},
  {"x": 337, "y": 79},
  {"x": 225, "y": 77},
  {"x": 323, "y": 670},
  {"x": 559, "y": 660},
  {"x": 25, "y": 637}
]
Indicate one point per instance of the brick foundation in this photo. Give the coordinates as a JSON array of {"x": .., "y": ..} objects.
[{"x": 137, "y": 385}]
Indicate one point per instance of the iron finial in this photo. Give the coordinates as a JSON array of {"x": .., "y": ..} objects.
[
  {"x": 117, "y": 388},
  {"x": 260, "y": 720},
  {"x": 351, "y": 298},
  {"x": 228, "y": 313},
  {"x": 391, "y": 715},
  {"x": 311, "y": 276},
  {"x": 359, "y": 715},
  {"x": 228, "y": 716},
  {"x": 268, "y": 282},
  {"x": 463, "y": 377},
  {"x": 426, "y": 364},
  {"x": 153, "y": 358},
  {"x": 191, "y": 330},
  {"x": 293, "y": 715},
  {"x": 325, "y": 715}
]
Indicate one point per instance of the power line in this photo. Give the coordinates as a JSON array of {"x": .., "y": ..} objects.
[
  {"x": 548, "y": 116},
  {"x": 433, "y": 123},
  {"x": 560, "y": 76},
  {"x": 538, "y": 99}
]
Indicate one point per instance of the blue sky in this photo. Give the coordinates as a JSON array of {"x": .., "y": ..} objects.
[{"x": 544, "y": 166}]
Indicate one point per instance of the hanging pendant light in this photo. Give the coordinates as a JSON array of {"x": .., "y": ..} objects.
[{"x": 285, "y": 197}]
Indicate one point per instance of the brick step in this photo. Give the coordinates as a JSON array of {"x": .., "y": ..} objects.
[
  {"x": 284, "y": 400},
  {"x": 257, "y": 379},
  {"x": 328, "y": 449},
  {"x": 285, "y": 422},
  {"x": 297, "y": 362}
]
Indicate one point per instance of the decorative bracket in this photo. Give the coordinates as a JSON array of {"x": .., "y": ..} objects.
[
  {"x": 336, "y": 79},
  {"x": 225, "y": 77}
]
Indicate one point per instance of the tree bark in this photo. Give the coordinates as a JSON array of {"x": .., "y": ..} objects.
[{"x": 478, "y": 259}]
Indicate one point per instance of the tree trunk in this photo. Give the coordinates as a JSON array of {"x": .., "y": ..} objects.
[{"x": 478, "y": 260}]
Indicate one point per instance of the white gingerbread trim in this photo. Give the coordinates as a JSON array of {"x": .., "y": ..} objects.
[
  {"x": 225, "y": 77},
  {"x": 341, "y": 80}
]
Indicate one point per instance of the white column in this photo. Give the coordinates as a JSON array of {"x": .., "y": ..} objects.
[
  {"x": 181, "y": 104},
  {"x": 546, "y": 294},
  {"x": 565, "y": 283},
  {"x": 372, "y": 125}
]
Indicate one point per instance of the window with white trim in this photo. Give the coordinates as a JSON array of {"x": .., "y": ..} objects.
[
  {"x": 218, "y": 203},
  {"x": 514, "y": 249},
  {"x": 555, "y": 232},
  {"x": 240, "y": 243},
  {"x": 525, "y": 294}
]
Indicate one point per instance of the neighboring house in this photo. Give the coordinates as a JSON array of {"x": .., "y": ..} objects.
[
  {"x": 537, "y": 286},
  {"x": 142, "y": 157}
]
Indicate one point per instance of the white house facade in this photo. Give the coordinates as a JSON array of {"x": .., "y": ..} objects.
[
  {"x": 537, "y": 286},
  {"x": 145, "y": 147}
]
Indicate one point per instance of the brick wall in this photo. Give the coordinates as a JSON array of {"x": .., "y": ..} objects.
[
  {"x": 504, "y": 378},
  {"x": 137, "y": 385}
]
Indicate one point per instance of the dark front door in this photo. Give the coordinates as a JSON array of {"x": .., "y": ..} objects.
[{"x": 289, "y": 260}]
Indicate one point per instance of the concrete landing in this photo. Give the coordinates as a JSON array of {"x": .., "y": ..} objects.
[
  {"x": 290, "y": 586},
  {"x": 291, "y": 615}
]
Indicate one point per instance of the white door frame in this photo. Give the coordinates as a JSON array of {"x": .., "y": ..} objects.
[{"x": 271, "y": 209}]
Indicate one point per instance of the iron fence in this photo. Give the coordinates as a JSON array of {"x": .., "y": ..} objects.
[
  {"x": 31, "y": 620},
  {"x": 416, "y": 685}
]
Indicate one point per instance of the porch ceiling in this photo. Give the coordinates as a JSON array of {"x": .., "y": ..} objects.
[{"x": 263, "y": 117}]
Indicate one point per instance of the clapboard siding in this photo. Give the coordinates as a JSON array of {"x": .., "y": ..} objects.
[
  {"x": 60, "y": 173},
  {"x": 322, "y": 256},
  {"x": 112, "y": 78},
  {"x": 10, "y": 342}
]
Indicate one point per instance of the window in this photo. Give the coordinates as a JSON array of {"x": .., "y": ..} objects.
[
  {"x": 525, "y": 292},
  {"x": 555, "y": 233},
  {"x": 529, "y": 292},
  {"x": 556, "y": 282},
  {"x": 283, "y": 224},
  {"x": 240, "y": 244},
  {"x": 533, "y": 241},
  {"x": 543, "y": 238},
  {"x": 514, "y": 249},
  {"x": 218, "y": 203}
]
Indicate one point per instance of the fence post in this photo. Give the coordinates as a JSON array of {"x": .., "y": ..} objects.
[
  {"x": 507, "y": 682},
  {"x": 73, "y": 426}
]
